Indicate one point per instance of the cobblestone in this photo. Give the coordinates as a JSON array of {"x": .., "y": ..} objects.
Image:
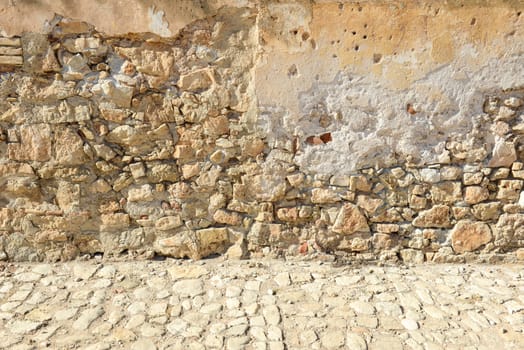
[{"x": 264, "y": 304}]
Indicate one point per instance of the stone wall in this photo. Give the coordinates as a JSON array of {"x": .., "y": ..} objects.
[{"x": 376, "y": 129}]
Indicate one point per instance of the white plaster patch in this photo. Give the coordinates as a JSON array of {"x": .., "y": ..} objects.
[
  {"x": 158, "y": 24},
  {"x": 370, "y": 125}
]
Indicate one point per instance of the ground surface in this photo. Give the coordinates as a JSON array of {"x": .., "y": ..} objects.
[{"x": 260, "y": 305}]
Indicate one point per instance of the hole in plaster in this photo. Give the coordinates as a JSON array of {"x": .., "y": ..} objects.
[
  {"x": 294, "y": 32},
  {"x": 313, "y": 44},
  {"x": 410, "y": 109},
  {"x": 377, "y": 57},
  {"x": 335, "y": 56},
  {"x": 365, "y": 25},
  {"x": 305, "y": 36},
  {"x": 364, "y": 37},
  {"x": 292, "y": 71},
  {"x": 326, "y": 137},
  {"x": 360, "y": 9},
  {"x": 354, "y": 33},
  {"x": 519, "y": 13},
  {"x": 357, "y": 47},
  {"x": 473, "y": 21},
  {"x": 313, "y": 140},
  {"x": 319, "y": 140},
  {"x": 341, "y": 6},
  {"x": 390, "y": 37}
]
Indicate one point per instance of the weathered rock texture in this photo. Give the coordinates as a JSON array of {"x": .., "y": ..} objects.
[{"x": 380, "y": 128}]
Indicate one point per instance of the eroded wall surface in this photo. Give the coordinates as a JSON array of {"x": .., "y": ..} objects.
[{"x": 381, "y": 129}]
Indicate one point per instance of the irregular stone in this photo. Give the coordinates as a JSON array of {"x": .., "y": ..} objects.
[
  {"x": 324, "y": 196},
  {"x": 447, "y": 192},
  {"x": 412, "y": 256},
  {"x": 114, "y": 222},
  {"x": 430, "y": 175},
  {"x": 509, "y": 189},
  {"x": 261, "y": 234},
  {"x": 167, "y": 223},
  {"x": 228, "y": 218},
  {"x": 75, "y": 67},
  {"x": 475, "y": 194},
  {"x": 369, "y": 204},
  {"x": 438, "y": 216},
  {"x": 468, "y": 236},
  {"x": 359, "y": 183},
  {"x": 143, "y": 193},
  {"x": 350, "y": 220},
  {"x": 114, "y": 92},
  {"x": 504, "y": 154},
  {"x": 487, "y": 211}
]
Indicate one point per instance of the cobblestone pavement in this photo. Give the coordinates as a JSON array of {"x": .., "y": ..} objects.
[{"x": 262, "y": 304}]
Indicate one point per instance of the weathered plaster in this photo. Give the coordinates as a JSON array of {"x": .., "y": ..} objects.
[{"x": 361, "y": 64}]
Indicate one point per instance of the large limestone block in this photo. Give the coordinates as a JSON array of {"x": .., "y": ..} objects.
[
  {"x": 468, "y": 236},
  {"x": 69, "y": 147},
  {"x": 35, "y": 144},
  {"x": 195, "y": 244}
]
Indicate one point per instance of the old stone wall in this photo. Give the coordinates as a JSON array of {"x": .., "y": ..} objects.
[{"x": 377, "y": 129}]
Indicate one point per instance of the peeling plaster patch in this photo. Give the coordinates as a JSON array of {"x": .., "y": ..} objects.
[
  {"x": 369, "y": 122},
  {"x": 158, "y": 24}
]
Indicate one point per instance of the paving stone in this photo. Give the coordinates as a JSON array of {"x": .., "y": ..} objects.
[
  {"x": 362, "y": 307},
  {"x": 348, "y": 280},
  {"x": 150, "y": 331},
  {"x": 355, "y": 342},
  {"x": 283, "y": 279},
  {"x": 23, "y": 327},
  {"x": 157, "y": 309},
  {"x": 187, "y": 272},
  {"x": 28, "y": 276},
  {"x": 409, "y": 324},
  {"x": 84, "y": 271},
  {"x": 190, "y": 287},
  {"x": 135, "y": 321},
  {"x": 86, "y": 318},
  {"x": 20, "y": 295},
  {"x": 333, "y": 339},
  {"x": 271, "y": 315},
  {"x": 143, "y": 344}
]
